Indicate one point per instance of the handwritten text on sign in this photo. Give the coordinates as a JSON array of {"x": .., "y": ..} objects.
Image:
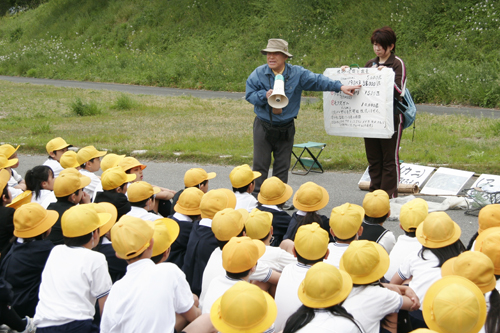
[{"x": 369, "y": 112}]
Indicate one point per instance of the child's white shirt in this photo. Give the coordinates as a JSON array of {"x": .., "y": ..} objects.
[
  {"x": 146, "y": 299},
  {"x": 143, "y": 214},
  {"x": 245, "y": 200},
  {"x": 336, "y": 252},
  {"x": 404, "y": 246},
  {"x": 423, "y": 272},
  {"x": 95, "y": 183},
  {"x": 487, "y": 297},
  {"x": 54, "y": 165},
  {"x": 325, "y": 322},
  {"x": 72, "y": 280},
  {"x": 286, "y": 297},
  {"x": 277, "y": 258},
  {"x": 45, "y": 198},
  {"x": 217, "y": 288},
  {"x": 15, "y": 178},
  {"x": 370, "y": 304}
]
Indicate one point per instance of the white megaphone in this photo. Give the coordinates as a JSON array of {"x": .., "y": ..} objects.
[{"x": 278, "y": 100}]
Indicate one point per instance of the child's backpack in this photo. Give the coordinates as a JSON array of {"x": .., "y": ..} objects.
[{"x": 408, "y": 109}]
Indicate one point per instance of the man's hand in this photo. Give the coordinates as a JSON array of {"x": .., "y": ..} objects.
[
  {"x": 269, "y": 93},
  {"x": 349, "y": 90}
]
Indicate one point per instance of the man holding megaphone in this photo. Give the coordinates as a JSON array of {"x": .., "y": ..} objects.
[{"x": 275, "y": 90}]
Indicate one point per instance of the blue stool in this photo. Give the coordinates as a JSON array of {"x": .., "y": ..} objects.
[{"x": 308, "y": 163}]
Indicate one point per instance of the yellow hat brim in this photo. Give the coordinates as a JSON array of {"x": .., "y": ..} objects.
[
  {"x": 286, "y": 195},
  {"x": 173, "y": 231},
  {"x": 447, "y": 269},
  {"x": 267, "y": 322},
  {"x": 21, "y": 199},
  {"x": 437, "y": 244},
  {"x": 326, "y": 303},
  {"x": 312, "y": 208},
  {"x": 45, "y": 224},
  {"x": 377, "y": 273}
]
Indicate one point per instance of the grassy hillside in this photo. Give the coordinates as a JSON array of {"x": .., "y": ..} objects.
[{"x": 450, "y": 46}]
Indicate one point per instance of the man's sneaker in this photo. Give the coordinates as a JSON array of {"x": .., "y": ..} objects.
[{"x": 30, "y": 326}]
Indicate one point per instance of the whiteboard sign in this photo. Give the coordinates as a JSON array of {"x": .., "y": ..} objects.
[
  {"x": 488, "y": 183},
  {"x": 409, "y": 174},
  {"x": 369, "y": 112},
  {"x": 447, "y": 181}
]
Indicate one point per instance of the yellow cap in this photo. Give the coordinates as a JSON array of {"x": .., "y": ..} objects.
[
  {"x": 365, "y": 261},
  {"x": 241, "y": 254},
  {"x": 244, "y": 308},
  {"x": 310, "y": 197},
  {"x": 85, "y": 154},
  {"x": 110, "y": 161},
  {"x": 81, "y": 220},
  {"x": 21, "y": 199},
  {"x": 8, "y": 150},
  {"x": 140, "y": 191},
  {"x": 475, "y": 266},
  {"x": 489, "y": 216},
  {"x": 32, "y": 220},
  {"x": 438, "y": 230},
  {"x": 189, "y": 201},
  {"x": 454, "y": 305},
  {"x": 196, "y": 176},
  {"x": 376, "y": 203},
  {"x": 413, "y": 213},
  {"x": 346, "y": 220},
  {"x": 216, "y": 200},
  {"x": 242, "y": 176},
  {"x": 4, "y": 179},
  {"x": 423, "y": 330},
  {"x": 115, "y": 177},
  {"x": 131, "y": 236},
  {"x": 324, "y": 286},
  {"x": 311, "y": 241},
  {"x": 68, "y": 160},
  {"x": 258, "y": 224},
  {"x": 229, "y": 223},
  {"x": 488, "y": 242},
  {"x": 56, "y": 144},
  {"x": 166, "y": 232},
  {"x": 130, "y": 162},
  {"x": 106, "y": 207},
  {"x": 274, "y": 192},
  {"x": 69, "y": 181},
  {"x": 6, "y": 163}
]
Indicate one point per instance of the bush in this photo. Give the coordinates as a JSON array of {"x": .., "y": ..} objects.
[
  {"x": 124, "y": 102},
  {"x": 82, "y": 109},
  {"x": 41, "y": 129}
]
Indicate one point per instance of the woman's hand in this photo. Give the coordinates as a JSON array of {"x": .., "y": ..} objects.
[{"x": 344, "y": 68}]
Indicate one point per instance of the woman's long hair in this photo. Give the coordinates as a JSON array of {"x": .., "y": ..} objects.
[{"x": 444, "y": 253}]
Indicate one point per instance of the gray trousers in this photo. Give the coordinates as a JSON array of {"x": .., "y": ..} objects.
[{"x": 263, "y": 150}]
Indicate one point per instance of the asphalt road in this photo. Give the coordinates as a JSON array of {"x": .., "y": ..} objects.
[{"x": 342, "y": 186}]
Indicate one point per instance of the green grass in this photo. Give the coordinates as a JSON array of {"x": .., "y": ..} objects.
[
  {"x": 201, "y": 131},
  {"x": 450, "y": 47},
  {"x": 82, "y": 109}
]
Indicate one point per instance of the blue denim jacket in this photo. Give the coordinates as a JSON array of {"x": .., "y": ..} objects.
[{"x": 297, "y": 79}]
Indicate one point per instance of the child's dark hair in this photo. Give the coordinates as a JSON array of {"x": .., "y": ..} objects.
[
  {"x": 5, "y": 193},
  {"x": 305, "y": 261},
  {"x": 304, "y": 315},
  {"x": 203, "y": 183},
  {"x": 264, "y": 238},
  {"x": 157, "y": 259},
  {"x": 84, "y": 164},
  {"x": 142, "y": 203},
  {"x": 122, "y": 186},
  {"x": 243, "y": 189},
  {"x": 444, "y": 253},
  {"x": 223, "y": 243},
  {"x": 377, "y": 220},
  {"x": 309, "y": 218},
  {"x": 492, "y": 324},
  {"x": 78, "y": 241},
  {"x": 238, "y": 276},
  {"x": 472, "y": 240},
  {"x": 35, "y": 177},
  {"x": 345, "y": 240},
  {"x": 66, "y": 198},
  {"x": 385, "y": 37},
  {"x": 410, "y": 233}
]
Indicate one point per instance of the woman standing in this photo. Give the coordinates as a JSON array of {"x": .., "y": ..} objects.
[{"x": 383, "y": 154}]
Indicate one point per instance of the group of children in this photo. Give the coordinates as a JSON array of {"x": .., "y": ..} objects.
[{"x": 83, "y": 253}]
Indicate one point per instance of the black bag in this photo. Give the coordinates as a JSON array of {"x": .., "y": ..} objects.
[{"x": 278, "y": 133}]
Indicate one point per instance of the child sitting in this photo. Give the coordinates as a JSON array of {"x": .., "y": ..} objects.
[
  {"x": 412, "y": 214},
  {"x": 56, "y": 148},
  {"x": 89, "y": 159},
  {"x": 272, "y": 196},
  {"x": 377, "y": 209},
  {"x": 115, "y": 182},
  {"x": 187, "y": 212},
  {"x": 69, "y": 160},
  {"x": 15, "y": 181},
  {"x": 195, "y": 177},
  {"x": 6, "y": 213},
  {"x": 110, "y": 161},
  {"x": 68, "y": 189},
  {"x": 166, "y": 232},
  {"x": 142, "y": 301},
  {"x": 40, "y": 181},
  {"x": 74, "y": 276},
  {"x": 243, "y": 182},
  {"x": 23, "y": 265},
  {"x": 345, "y": 227},
  {"x": 7, "y": 164},
  {"x": 141, "y": 196}
]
